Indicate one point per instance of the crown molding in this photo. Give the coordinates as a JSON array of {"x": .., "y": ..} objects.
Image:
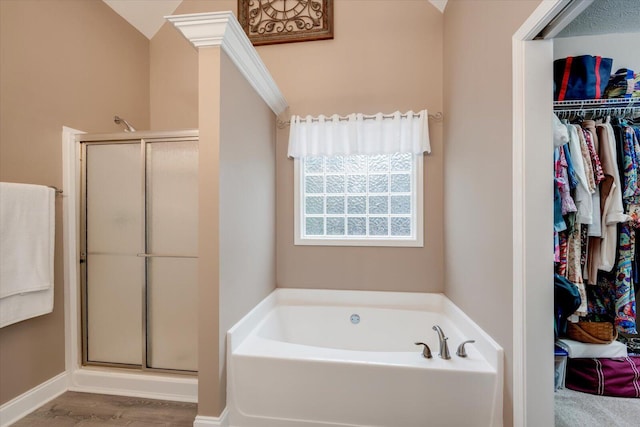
[{"x": 223, "y": 29}]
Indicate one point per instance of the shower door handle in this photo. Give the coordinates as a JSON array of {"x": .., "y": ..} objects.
[{"x": 165, "y": 256}]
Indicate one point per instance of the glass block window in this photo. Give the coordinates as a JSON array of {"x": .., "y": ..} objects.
[{"x": 359, "y": 200}]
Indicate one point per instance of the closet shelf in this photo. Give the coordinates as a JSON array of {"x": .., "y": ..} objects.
[
  {"x": 592, "y": 108},
  {"x": 579, "y": 104}
]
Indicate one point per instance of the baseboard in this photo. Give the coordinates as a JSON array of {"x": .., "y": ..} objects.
[
  {"x": 221, "y": 421},
  {"x": 150, "y": 386},
  {"x": 28, "y": 402}
]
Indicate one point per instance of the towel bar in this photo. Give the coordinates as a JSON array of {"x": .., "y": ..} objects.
[{"x": 58, "y": 191}]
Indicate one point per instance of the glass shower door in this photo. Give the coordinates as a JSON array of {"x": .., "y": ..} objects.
[
  {"x": 172, "y": 247},
  {"x": 114, "y": 214},
  {"x": 140, "y": 253}
]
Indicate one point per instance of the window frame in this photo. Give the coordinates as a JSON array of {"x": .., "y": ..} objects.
[{"x": 417, "y": 215}]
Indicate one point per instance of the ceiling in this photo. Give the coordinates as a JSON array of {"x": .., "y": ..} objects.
[
  {"x": 601, "y": 17},
  {"x": 605, "y": 17},
  {"x": 148, "y": 15}
]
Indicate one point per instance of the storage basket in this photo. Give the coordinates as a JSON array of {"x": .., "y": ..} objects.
[{"x": 592, "y": 332}]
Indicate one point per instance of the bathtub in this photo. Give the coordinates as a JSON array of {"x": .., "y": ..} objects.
[{"x": 320, "y": 358}]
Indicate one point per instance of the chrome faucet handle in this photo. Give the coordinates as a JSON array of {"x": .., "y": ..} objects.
[
  {"x": 461, "y": 352},
  {"x": 444, "y": 348},
  {"x": 426, "y": 351}
]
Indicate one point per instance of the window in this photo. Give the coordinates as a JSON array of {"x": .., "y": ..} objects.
[
  {"x": 359, "y": 200},
  {"x": 358, "y": 179}
]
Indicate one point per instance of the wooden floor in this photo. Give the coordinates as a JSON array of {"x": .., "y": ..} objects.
[{"x": 92, "y": 410}]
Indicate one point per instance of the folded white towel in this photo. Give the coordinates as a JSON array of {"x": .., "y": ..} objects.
[
  {"x": 579, "y": 350},
  {"x": 27, "y": 233}
]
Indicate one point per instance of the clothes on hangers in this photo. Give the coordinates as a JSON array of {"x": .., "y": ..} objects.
[
  {"x": 597, "y": 177},
  {"x": 591, "y": 138},
  {"x": 582, "y": 195},
  {"x": 625, "y": 305},
  {"x": 610, "y": 199}
]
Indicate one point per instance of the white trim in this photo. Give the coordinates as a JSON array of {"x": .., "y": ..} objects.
[
  {"x": 545, "y": 12},
  {"x": 564, "y": 18},
  {"x": 533, "y": 225},
  {"x": 221, "y": 421},
  {"x": 135, "y": 384},
  {"x": 70, "y": 225},
  {"x": 519, "y": 338},
  {"x": 223, "y": 29},
  {"x": 523, "y": 339},
  {"x": 20, "y": 406}
]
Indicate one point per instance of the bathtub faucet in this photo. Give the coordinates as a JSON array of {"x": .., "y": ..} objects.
[
  {"x": 426, "y": 351},
  {"x": 444, "y": 348}
]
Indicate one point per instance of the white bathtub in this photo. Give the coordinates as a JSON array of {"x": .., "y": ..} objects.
[{"x": 297, "y": 360}]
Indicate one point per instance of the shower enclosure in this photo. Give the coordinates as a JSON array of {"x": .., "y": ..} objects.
[{"x": 139, "y": 245}]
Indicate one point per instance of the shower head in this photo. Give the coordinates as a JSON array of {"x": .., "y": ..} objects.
[{"x": 120, "y": 121}]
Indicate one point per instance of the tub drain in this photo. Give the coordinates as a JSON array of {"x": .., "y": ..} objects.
[{"x": 355, "y": 319}]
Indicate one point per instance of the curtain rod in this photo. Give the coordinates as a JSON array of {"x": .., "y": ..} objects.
[{"x": 438, "y": 117}]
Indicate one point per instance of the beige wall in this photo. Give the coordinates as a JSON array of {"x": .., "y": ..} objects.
[
  {"x": 72, "y": 63},
  {"x": 209, "y": 363},
  {"x": 478, "y": 176},
  {"x": 247, "y": 201},
  {"x": 384, "y": 57},
  {"x": 622, "y": 48},
  {"x": 236, "y": 213},
  {"x": 173, "y": 79}
]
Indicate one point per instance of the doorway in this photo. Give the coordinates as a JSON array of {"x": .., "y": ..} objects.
[
  {"x": 138, "y": 251},
  {"x": 533, "y": 301}
]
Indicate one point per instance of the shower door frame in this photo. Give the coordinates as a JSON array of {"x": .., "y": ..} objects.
[{"x": 142, "y": 139}]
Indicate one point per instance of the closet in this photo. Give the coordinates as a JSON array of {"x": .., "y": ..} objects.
[{"x": 597, "y": 251}]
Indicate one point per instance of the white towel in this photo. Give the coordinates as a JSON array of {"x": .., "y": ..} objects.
[
  {"x": 27, "y": 234},
  {"x": 579, "y": 350},
  {"x": 17, "y": 308}
]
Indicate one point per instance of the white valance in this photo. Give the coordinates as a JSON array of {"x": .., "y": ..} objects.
[{"x": 359, "y": 134}]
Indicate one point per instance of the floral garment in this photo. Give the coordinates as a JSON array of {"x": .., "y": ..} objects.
[{"x": 625, "y": 305}]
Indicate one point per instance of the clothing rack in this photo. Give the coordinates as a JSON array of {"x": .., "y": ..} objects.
[
  {"x": 438, "y": 117},
  {"x": 617, "y": 107}
]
